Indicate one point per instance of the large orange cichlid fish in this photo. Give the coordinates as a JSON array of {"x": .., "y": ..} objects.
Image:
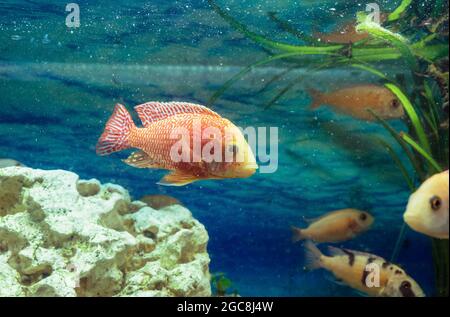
[{"x": 192, "y": 141}]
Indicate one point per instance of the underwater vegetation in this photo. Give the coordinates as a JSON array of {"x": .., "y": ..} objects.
[
  {"x": 222, "y": 285},
  {"x": 415, "y": 34}
]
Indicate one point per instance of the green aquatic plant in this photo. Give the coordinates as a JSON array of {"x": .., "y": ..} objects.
[
  {"x": 222, "y": 285},
  {"x": 416, "y": 32}
]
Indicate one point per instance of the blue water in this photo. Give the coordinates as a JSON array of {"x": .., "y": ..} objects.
[{"x": 58, "y": 87}]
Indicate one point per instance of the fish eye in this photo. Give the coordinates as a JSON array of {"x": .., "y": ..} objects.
[
  {"x": 405, "y": 285},
  {"x": 435, "y": 203},
  {"x": 395, "y": 103},
  {"x": 233, "y": 148},
  {"x": 406, "y": 289},
  {"x": 363, "y": 216}
]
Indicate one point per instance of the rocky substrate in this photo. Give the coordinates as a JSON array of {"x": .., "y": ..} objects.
[{"x": 61, "y": 236}]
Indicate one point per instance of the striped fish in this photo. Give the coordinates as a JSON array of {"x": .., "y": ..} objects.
[
  {"x": 169, "y": 128},
  {"x": 367, "y": 273}
]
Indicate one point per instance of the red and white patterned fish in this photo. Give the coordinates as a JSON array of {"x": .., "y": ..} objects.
[{"x": 192, "y": 141}]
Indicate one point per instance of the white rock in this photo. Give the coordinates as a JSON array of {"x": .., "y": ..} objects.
[{"x": 61, "y": 236}]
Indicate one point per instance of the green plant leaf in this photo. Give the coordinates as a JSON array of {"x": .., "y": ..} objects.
[
  {"x": 412, "y": 114},
  {"x": 421, "y": 151},
  {"x": 398, "y": 162},
  {"x": 430, "y": 53},
  {"x": 292, "y": 30},
  {"x": 433, "y": 110},
  {"x": 277, "y": 77},
  {"x": 397, "y": 13},
  {"x": 245, "y": 71},
  {"x": 399, "y": 243},
  {"x": 270, "y": 43},
  {"x": 224, "y": 283},
  {"x": 292, "y": 84},
  {"x": 395, "y": 39},
  {"x": 402, "y": 143},
  {"x": 370, "y": 69}
]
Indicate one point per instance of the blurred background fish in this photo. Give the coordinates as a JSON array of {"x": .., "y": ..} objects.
[
  {"x": 336, "y": 226},
  {"x": 4, "y": 162},
  {"x": 357, "y": 100},
  {"x": 160, "y": 201}
]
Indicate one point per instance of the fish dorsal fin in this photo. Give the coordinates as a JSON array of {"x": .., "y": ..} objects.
[
  {"x": 337, "y": 251},
  {"x": 140, "y": 159},
  {"x": 333, "y": 251},
  {"x": 154, "y": 111}
]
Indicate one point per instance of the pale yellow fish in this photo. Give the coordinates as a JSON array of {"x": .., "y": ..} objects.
[
  {"x": 364, "y": 272},
  {"x": 356, "y": 101},
  {"x": 428, "y": 208},
  {"x": 9, "y": 162},
  {"x": 336, "y": 226}
]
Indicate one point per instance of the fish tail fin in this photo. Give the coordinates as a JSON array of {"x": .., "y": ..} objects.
[
  {"x": 297, "y": 234},
  {"x": 313, "y": 256},
  {"x": 316, "y": 96},
  {"x": 117, "y": 131}
]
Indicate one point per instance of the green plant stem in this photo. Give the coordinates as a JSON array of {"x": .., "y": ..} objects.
[
  {"x": 246, "y": 70},
  {"x": 292, "y": 30},
  {"x": 398, "y": 162},
  {"x": 421, "y": 151},
  {"x": 397, "y": 13},
  {"x": 396, "y": 40},
  {"x": 412, "y": 114},
  {"x": 441, "y": 266},
  {"x": 363, "y": 53},
  {"x": 415, "y": 163}
]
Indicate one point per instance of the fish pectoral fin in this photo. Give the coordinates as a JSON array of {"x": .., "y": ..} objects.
[
  {"x": 177, "y": 178},
  {"x": 140, "y": 159}
]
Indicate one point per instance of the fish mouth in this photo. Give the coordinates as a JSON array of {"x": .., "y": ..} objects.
[
  {"x": 247, "y": 170},
  {"x": 251, "y": 166},
  {"x": 413, "y": 221}
]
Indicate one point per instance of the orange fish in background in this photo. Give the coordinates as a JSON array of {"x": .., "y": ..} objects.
[
  {"x": 335, "y": 226},
  {"x": 357, "y": 100},
  {"x": 156, "y": 142},
  {"x": 347, "y": 34},
  {"x": 160, "y": 201}
]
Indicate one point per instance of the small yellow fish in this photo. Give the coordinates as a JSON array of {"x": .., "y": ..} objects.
[
  {"x": 364, "y": 272},
  {"x": 160, "y": 201},
  {"x": 357, "y": 100},
  {"x": 428, "y": 208},
  {"x": 9, "y": 162},
  {"x": 336, "y": 226}
]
